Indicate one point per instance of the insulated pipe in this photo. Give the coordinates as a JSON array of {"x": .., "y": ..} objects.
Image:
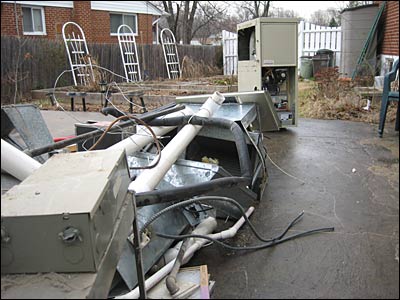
[
  {"x": 16, "y": 162},
  {"x": 95, "y": 133},
  {"x": 240, "y": 138},
  {"x": 206, "y": 225},
  {"x": 190, "y": 190},
  {"x": 148, "y": 179},
  {"x": 143, "y": 137}
]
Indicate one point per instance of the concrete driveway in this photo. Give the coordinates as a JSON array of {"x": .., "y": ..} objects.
[{"x": 360, "y": 259}]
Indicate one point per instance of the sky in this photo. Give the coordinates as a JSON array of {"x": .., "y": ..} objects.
[{"x": 306, "y": 8}]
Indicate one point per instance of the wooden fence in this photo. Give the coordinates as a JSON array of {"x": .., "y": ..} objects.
[{"x": 42, "y": 61}]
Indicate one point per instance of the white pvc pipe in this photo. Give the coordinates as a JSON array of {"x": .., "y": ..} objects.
[
  {"x": 203, "y": 228},
  {"x": 148, "y": 179},
  {"x": 143, "y": 137},
  {"x": 16, "y": 162}
]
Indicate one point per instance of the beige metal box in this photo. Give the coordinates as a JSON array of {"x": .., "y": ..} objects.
[
  {"x": 267, "y": 60},
  {"x": 62, "y": 217}
]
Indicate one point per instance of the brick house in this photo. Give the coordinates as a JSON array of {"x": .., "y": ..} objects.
[
  {"x": 98, "y": 19},
  {"x": 388, "y": 31}
]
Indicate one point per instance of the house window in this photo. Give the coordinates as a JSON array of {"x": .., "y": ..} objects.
[
  {"x": 33, "y": 21},
  {"x": 118, "y": 19}
]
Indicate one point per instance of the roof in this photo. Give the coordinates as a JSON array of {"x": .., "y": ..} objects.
[
  {"x": 358, "y": 7},
  {"x": 140, "y": 7}
]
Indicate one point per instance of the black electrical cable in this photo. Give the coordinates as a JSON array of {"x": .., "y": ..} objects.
[
  {"x": 219, "y": 198},
  {"x": 188, "y": 191},
  {"x": 249, "y": 248}
]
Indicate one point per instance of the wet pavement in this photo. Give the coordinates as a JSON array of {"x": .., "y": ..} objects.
[{"x": 360, "y": 259}]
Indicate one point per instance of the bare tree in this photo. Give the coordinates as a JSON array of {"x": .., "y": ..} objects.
[
  {"x": 186, "y": 18},
  {"x": 173, "y": 16},
  {"x": 248, "y": 10},
  {"x": 326, "y": 17}
]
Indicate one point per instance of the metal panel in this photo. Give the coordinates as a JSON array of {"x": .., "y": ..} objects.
[
  {"x": 268, "y": 117},
  {"x": 70, "y": 206},
  {"x": 58, "y": 186},
  {"x": 249, "y": 75},
  {"x": 74, "y": 285},
  {"x": 278, "y": 44},
  {"x": 28, "y": 122}
]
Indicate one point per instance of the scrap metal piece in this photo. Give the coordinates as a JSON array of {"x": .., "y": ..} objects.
[
  {"x": 268, "y": 117},
  {"x": 27, "y": 120}
]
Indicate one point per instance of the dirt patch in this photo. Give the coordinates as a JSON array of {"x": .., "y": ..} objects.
[
  {"x": 391, "y": 144},
  {"x": 330, "y": 97}
]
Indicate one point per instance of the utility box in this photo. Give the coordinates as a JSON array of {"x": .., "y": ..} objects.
[
  {"x": 267, "y": 60},
  {"x": 63, "y": 217}
]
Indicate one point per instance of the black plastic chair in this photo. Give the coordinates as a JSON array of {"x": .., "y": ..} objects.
[{"x": 388, "y": 96}]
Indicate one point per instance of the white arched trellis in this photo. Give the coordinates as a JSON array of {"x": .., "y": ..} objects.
[
  {"x": 78, "y": 54},
  {"x": 170, "y": 54},
  {"x": 127, "y": 45}
]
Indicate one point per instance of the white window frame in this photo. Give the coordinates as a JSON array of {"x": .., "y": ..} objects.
[
  {"x": 135, "y": 33},
  {"x": 44, "y": 32}
]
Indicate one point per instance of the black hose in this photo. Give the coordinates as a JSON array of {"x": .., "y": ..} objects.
[
  {"x": 95, "y": 133},
  {"x": 218, "y": 198},
  {"x": 249, "y": 248},
  {"x": 187, "y": 191},
  {"x": 111, "y": 111},
  {"x": 240, "y": 138}
]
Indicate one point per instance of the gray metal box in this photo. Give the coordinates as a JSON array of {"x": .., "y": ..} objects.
[{"x": 62, "y": 217}]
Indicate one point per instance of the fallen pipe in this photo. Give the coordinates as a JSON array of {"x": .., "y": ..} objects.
[
  {"x": 143, "y": 137},
  {"x": 148, "y": 179},
  {"x": 95, "y": 133},
  {"x": 16, "y": 162},
  {"x": 207, "y": 225},
  {"x": 188, "y": 191}
]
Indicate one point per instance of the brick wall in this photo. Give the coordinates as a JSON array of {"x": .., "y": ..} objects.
[
  {"x": 389, "y": 27},
  {"x": 95, "y": 23},
  {"x": 100, "y": 30},
  {"x": 8, "y": 19}
]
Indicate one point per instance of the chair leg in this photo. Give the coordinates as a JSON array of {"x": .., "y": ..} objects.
[
  {"x": 382, "y": 117},
  {"x": 397, "y": 117}
]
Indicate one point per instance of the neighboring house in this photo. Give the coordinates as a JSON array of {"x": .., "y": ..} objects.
[
  {"x": 98, "y": 19},
  {"x": 388, "y": 48},
  {"x": 214, "y": 39}
]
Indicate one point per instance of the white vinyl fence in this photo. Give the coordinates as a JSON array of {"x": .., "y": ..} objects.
[
  {"x": 311, "y": 38},
  {"x": 229, "y": 42}
]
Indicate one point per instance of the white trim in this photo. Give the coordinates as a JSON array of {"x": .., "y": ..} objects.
[
  {"x": 64, "y": 4},
  {"x": 44, "y": 32},
  {"x": 124, "y": 14},
  {"x": 137, "y": 7}
]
